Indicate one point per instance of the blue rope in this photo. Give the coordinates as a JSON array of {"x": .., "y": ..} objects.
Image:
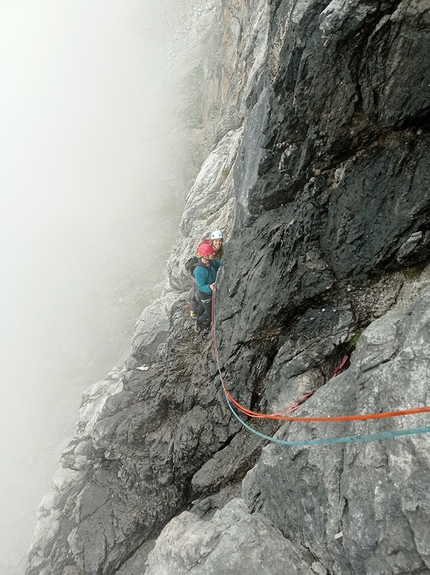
[
  {"x": 347, "y": 439},
  {"x": 329, "y": 440}
]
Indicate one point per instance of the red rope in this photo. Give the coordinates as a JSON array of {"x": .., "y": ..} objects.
[{"x": 341, "y": 365}]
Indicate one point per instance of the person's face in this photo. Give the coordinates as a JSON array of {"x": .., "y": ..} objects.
[
  {"x": 216, "y": 244},
  {"x": 210, "y": 256}
]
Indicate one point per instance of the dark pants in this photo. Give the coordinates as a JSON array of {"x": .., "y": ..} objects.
[
  {"x": 204, "y": 313},
  {"x": 194, "y": 299}
]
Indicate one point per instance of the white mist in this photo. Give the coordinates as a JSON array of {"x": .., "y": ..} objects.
[{"x": 86, "y": 219}]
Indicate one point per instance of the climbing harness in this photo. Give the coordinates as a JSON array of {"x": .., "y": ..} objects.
[{"x": 235, "y": 406}]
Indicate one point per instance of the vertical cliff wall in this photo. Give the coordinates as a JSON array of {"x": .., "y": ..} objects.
[{"x": 317, "y": 113}]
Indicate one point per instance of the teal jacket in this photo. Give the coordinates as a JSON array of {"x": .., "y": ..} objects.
[{"x": 205, "y": 275}]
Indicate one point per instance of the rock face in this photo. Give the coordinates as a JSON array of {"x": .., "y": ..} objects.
[{"x": 318, "y": 116}]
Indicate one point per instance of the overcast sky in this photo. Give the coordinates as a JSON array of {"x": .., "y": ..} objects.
[{"x": 86, "y": 123}]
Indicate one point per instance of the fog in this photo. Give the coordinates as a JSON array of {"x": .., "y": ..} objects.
[{"x": 87, "y": 218}]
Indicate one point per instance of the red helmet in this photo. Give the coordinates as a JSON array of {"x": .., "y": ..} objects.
[{"x": 205, "y": 250}]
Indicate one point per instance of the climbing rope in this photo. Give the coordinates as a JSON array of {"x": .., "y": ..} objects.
[{"x": 236, "y": 406}]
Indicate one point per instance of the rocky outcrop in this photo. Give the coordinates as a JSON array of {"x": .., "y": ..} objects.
[
  {"x": 318, "y": 112},
  {"x": 359, "y": 508},
  {"x": 234, "y": 541}
]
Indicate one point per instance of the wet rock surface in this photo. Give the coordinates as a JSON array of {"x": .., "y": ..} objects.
[{"x": 319, "y": 177}]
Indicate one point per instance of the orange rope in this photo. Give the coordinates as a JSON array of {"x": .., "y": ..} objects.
[{"x": 250, "y": 413}]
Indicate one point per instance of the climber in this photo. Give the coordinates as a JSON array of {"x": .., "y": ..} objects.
[
  {"x": 205, "y": 273},
  {"x": 216, "y": 241},
  {"x": 217, "y": 244}
]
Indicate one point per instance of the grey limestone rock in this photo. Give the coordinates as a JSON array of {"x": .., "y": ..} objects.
[
  {"x": 233, "y": 541},
  {"x": 359, "y": 507}
]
